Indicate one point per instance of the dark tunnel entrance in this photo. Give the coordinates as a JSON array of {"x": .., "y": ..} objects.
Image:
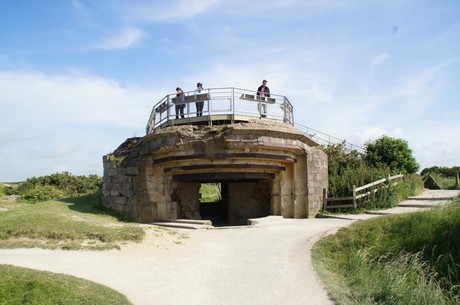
[
  {"x": 214, "y": 203},
  {"x": 235, "y": 202},
  {"x": 230, "y": 198}
]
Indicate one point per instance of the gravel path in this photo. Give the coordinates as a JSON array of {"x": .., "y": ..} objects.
[{"x": 265, "y": 264}]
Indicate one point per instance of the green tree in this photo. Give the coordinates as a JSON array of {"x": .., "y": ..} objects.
[{"x": 391, "y": 153}]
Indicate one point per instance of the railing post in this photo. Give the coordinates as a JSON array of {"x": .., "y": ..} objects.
[
  {"x": 168, "y": 112},
  {"x": 324, "y": 198},
  {"x": 354, "y": 196},
  {"x": 233, "y": 102}
]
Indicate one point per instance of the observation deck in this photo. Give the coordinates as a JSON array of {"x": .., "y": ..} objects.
[{"x": 220, "y": 106}]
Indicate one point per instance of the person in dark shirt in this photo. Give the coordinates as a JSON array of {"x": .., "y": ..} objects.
[
  {"x": 180, "y": 107},
  {"x": 263, "y": 91}
]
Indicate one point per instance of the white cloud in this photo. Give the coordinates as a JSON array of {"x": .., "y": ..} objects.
[
  {"x": 424, "y": 83},
  {"x": 32, "y": 97},
  {"x": 65, "y": 122},
  {"x": 168, "y": 10},
  {"x": 124, "y": 39},
  {"x": 4, "y": 59},
  {"x": 63, "y": 150},
  {"x": 317, "y": 94},
  {"x": 370, "y": 134},
  {"x": 379, "y": 59},
  {"x": 79, "y": 6}
]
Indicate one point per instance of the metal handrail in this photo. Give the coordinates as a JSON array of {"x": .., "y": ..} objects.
[
  {"x": 220, "y": 102},
  {"x": 234, "y": 102},
  {"x": 325, "y": 139}
]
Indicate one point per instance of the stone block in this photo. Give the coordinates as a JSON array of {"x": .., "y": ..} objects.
[
  {"x": 120, "y": 200},
  {"x": 133, "y": 170}
]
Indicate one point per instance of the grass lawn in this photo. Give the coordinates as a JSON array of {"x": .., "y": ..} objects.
[
  {"x": 71, "y": 224},
  {"x": 21, "y": 286},
  {"x": 400, "y": 259}
]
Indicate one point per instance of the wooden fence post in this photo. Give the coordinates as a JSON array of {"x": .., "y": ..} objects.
[
  {"x": 354, "y": 196},
  {"x": 324, "y": 198},
  {"x": 456, "y": 181}
]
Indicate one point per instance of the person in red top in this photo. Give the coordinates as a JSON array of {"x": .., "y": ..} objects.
[{"x": 263, "y": 91}]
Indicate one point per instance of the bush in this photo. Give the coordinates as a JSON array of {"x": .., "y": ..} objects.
[
  {"x": 56, "y": 186},
  {"x": 348, "y": 169}
]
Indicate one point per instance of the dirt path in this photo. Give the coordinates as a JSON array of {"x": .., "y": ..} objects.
[{"x": 266, "y": 264}]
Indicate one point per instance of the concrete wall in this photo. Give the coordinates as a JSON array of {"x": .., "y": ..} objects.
[
  {"x": 248, "y": 200},
  {"x": 282, "y": 171}
]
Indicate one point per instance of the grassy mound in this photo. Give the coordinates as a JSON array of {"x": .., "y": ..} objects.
[
  {"x": 74, "y": 224},
  {"x": 401, "y": 259},
  {"x": 23, "y": 286}
]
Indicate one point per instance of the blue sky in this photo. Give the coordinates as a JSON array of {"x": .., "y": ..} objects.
[{"x": 78, "y": 77}]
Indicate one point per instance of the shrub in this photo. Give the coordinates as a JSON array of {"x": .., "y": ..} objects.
[
  {"x": 348, "y": 169},
  {"x": 56, "y": 186}
]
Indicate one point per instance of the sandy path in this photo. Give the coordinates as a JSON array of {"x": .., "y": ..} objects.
[{"x": 266, "y": 264}]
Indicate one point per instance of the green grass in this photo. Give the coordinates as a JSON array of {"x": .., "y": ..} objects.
[
  {"x": 74, "y": 224},
  {"x": 210, "y": 192},
  {"x": 401, "y": 259},
  {"x": 23, "y": 286},
  {"x": 71, "y": 223},
  {"x": 447, "y": 183}
]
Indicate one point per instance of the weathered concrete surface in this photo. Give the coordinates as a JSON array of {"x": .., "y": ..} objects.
[
  {"x": 269, "y": 168},
  {"x": 267, "y": 264}
]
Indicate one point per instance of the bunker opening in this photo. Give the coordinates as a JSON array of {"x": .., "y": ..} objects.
[
  {"x": 214, "y": 203},
  {"x": 226, "y": 202},
  {"x": 236, "y": 202}
]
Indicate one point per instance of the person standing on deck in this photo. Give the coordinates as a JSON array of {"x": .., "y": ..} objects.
[
  {"x": 199, "y": 105},
  {"x": 180, "y": 107},
  {"x": 263, "y": 91}
]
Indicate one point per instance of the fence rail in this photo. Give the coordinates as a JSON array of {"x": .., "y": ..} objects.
[
  {"x": 232, "y": 104},
  {"x": 325, "y": 139},
  {"x": 219, "y": 104},
  {"x": 371, "y": 188}
]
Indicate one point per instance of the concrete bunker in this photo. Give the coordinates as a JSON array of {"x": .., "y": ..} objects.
[
  {"x": 263, "y": 165},
  {"x": 264, "y": 168}
]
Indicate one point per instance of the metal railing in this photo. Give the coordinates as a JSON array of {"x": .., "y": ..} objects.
[
  {"x": 225, "y": 104},
  {"x": 232, "y": 104},
  {"x": 325, "y": 139}
]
